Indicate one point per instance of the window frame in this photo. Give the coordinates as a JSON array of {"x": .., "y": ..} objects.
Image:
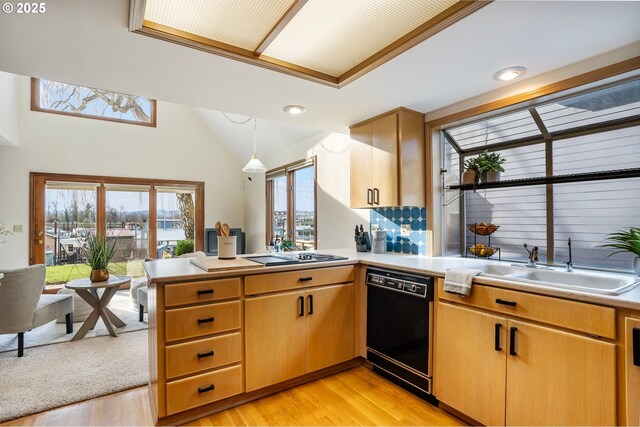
[
  {"x": 288, "y": 170},
  {"x": 546, "y": 139},
  {"x": 37, "y": 208},
  {"x": 35, "y": 106}
]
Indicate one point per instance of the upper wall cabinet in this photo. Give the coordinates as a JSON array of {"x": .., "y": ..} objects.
[{"x": 387, "y": 160}]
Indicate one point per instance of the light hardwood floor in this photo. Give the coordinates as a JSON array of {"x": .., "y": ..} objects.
[{"x": 354, "y": 397}]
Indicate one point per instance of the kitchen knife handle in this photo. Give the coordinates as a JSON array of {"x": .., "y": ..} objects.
[
  {"x": 636, "y": 346},
  {"x": 497, "y": 338},
  {"x": 301, "y": 300},
  {"x": 310, "y": 304},
  {"x": 512, "y": 343},
  {"x": 205, "y": 291},
  {"x": 376, "y": 196},
  {"x": 369, "y": 196}
]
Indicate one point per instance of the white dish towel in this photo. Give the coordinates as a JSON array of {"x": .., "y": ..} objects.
[{"x": 458, "y": 280}]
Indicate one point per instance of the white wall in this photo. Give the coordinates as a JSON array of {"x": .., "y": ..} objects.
[
  {"x": 336, "y": 220},
  {"x": 8, "y": 109},
  {"x": 180, "y": 148}
]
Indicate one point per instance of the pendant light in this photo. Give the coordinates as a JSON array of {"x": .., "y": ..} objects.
[{"x": 254, "y": 165}]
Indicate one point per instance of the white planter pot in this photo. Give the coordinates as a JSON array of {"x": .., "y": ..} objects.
[{"x": 493, "y": 176}]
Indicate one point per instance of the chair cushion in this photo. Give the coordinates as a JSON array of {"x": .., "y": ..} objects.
[
  {"x": 133, "y": 290},
  {"x": 143, "y": 297},
  {"x": 81, "y": 309},
  {"x": 50, "y": 307}
]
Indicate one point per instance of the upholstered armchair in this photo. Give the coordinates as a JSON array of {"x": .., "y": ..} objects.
[{"x": 24, "y": 307}]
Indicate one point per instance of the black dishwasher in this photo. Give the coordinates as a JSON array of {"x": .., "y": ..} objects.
[{"x": 400, "y": 328}]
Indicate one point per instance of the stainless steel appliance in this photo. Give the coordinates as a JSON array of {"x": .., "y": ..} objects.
[
  {"x": 400, "y": 328},
  {"x": 270, "y": 260}
]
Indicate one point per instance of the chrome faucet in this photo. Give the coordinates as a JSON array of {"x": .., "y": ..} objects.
[
  {"x": 533, "y": 256},
  {"x": 570, "y": 262}
]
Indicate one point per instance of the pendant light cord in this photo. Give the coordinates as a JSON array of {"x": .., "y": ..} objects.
[
  {"x": 254, "y": 137},
  {"x": 234, "y": 121}
]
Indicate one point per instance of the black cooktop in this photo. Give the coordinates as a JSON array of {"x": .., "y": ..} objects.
[{"x": 300, "y": 258}]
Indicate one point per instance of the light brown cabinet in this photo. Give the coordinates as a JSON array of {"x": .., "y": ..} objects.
[
  {"x": 503, "y": 371},
  {"x": 293, "y": 333},
  {"x": 387, "y": 160},
  {"x": 632, "y": 366}
]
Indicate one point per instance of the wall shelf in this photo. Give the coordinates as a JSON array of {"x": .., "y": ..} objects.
[{"x": 557, "y": 179}]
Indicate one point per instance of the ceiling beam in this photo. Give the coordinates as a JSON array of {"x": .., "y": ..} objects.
[
  {"x": 282, "y": 22},
  {"x": 136, "y": 14}
]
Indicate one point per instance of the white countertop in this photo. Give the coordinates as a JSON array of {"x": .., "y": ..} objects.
[{"x": 173, "y": 270}]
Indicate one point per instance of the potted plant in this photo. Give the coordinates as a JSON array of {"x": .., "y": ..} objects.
[
  {"x": 490, "y": 165},
  {"x": 626, "y": 241},
  {"x": 98, "y": 252},
  {"x": 472, "y": 171}
]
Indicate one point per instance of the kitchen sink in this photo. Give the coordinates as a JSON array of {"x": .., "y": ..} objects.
[{"x": 601, "y": 283}]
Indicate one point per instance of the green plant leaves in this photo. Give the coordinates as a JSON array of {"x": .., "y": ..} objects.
[{"x": 624, "y": 241}]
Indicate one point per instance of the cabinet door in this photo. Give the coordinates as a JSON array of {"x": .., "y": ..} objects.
[
  {"x": 361, "y": 157},
  {"x": 469, "y": 371},
  {"x": 632, "y": 386},
  {"x": 274, "y": 339},
  {"x": 384, "y": 140},
  {"x": 558, "y": 378},
  {"x": 329, "y": 326}
]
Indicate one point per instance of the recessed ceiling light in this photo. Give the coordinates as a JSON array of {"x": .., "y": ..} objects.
[
  {"x": 509, "y": 73},
  {"x": 294, "y": 109}
]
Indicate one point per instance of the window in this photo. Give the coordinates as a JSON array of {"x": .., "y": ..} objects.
[
  {"x": 291, "y": 204},
  {"x": 146, "y": 217},
  {"x": 80, "y": 101},
  {"x": 572, "y": 171}
]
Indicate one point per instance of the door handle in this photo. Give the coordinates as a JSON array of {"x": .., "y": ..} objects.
[
  {"x": 369, "y": 196},
  {"x": 505, "y": 302},
  {"x": 306, "y": 279},
  {"x": 512, "y": 341},
  {"x": 310, "y": 304},
  {"x": 376, "y": 196},
  {"x": 497, "y": 337},
  {"x": 207, "y": 320},
  {"x": 301, "y": 300},
  {"x": 205, "y": 291},
  {"x": 636, "y": 346}
]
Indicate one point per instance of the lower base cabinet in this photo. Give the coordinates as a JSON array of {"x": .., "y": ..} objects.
[
  {"x": 293, "y": 333},
  {"x": 632, "y": 366},
  {"x": 500, "y": 371}
]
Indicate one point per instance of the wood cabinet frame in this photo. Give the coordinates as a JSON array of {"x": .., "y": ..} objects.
[{"x": 37, "y": 185}]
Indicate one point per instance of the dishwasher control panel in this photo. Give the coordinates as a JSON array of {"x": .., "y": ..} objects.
[{"x": 418, "y": 286}]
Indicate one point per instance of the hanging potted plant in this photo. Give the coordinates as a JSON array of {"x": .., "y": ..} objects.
[
  {"x": 490, "y": 165},
  {"x": 626, "y": 241},
  {"x": 472, "y": 171},
  {"x": 98, "y": 252}
]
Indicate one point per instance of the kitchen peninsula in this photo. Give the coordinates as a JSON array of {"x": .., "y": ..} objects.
[{"x": 221, "y": 339}]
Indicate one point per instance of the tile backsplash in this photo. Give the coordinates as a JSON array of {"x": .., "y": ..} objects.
[{"x": 392, "y": 219}]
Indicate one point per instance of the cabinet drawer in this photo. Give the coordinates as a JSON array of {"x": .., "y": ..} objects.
[
  {"x": 197, "y": 356},
  {"x": 297, "y": 279},
  {"x": 202, "y": 291},
  {"x": 191, "y": 322},
  {"x": 202, "y": 389},
  {"x": 589, "y": 318}
]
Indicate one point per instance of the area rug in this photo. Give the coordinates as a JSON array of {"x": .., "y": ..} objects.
[
  {"x": 53, "y": 332},
  {"x": 55, "y": 375}
]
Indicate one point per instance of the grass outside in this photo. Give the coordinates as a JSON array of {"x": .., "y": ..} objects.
[{"x": 64, "y": 273}]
